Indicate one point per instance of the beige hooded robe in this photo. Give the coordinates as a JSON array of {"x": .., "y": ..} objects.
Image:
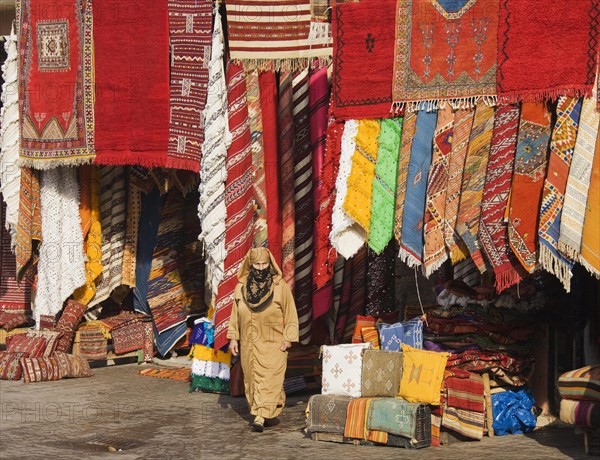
[{"x": 260, "y": 335}]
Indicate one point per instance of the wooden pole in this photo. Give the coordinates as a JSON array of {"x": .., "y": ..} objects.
[{"x": 489, "y": 415}]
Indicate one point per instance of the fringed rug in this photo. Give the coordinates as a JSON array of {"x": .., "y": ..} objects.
[
  {"x": 576, "y": 193},
  {"x": 56, "y": 83},
  {"x": 364, "y": 53},
  {"x": 469, "y": 211},
  {"x": 411, "y": 247},
  {"x": 113, "y": 213},
  {"x": 182, "y": 374},
  {"x": 528, "y": 182},
  {"x": 445, "y": 50},
  {"x": 564, "y": 135},
  {"x": 29, "y": 228},
  {"x": 256, "y": 39},
  {"x": 590, "y": 244},
  {"x": 131, "y": 72},
  {"x": 190, "y": 26},
  {"x": 408, "y": 132},
  {"x": 543, "y": 59},
  {"x": 239, "y": 199},
  {"x": 493, "y": 234},
  {"x": 434, "y": 249}
]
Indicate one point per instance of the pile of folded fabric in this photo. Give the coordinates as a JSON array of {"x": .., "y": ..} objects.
[{"x": 580, "y": 393}]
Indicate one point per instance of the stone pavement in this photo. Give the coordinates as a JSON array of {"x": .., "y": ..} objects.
[{"x": 154, "y": 418}]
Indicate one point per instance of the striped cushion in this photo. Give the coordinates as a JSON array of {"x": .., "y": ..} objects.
[
  {"x": 581, "y": 384},
  {"x": 370, "y": 334}
]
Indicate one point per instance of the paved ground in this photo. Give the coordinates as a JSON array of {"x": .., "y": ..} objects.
[{"x": 152, "y": 418}]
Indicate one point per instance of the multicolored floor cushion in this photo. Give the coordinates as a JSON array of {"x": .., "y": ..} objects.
[
  {"x": 580, "y": 384},
  {"x": 327, "y": 414},
  {"x": 72, "y": 366},
  {"x": 10, "y": 365},
  {"x": 371, "y": 335},
  {"x": 381, "y": 373},
  {"x": 392, "y": 336},
  {"x": 41, "y": 369},
  {"x": 580, "y": 413},
  {"x": 342, "y": 369},
  {"x": 422, "y": 375}
]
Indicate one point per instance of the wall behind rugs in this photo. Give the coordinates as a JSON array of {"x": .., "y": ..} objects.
[{"x": 7, "y": 14}]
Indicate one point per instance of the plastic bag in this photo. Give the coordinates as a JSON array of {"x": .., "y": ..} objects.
[{"x": 513, "y": 412}]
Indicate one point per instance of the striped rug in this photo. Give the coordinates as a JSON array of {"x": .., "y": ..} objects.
[{"x": 304, "y": 216}]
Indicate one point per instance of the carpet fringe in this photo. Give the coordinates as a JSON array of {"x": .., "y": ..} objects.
[
  {"x": 506, "y": 278},
  {"x": 428, "y": 270},
  {"x": 589, "y": 267},
  {"x": 45, "y": 165},
  {"x": 284, "y": 65},
  {"x": 552, "y": 264},
  {"x": 408, "y": 258},
  {"x": 430, "y": 105},
  {"x": 543, "y": 96}
]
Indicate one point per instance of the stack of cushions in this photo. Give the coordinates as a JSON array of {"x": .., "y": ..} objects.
[
  {"x": 9, "y": 321},
  {"x": 580, "y": 393},
  {"x": 377, "y": 396},
  {"x": 38, "y": 356}
]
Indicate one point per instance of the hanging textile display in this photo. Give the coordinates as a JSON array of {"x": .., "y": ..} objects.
[
  {"x": 565, "y": 44},
  {"x": 131, "y": 74},
  {"x": 190, "y": 25},
  {"x": 29, "y": 228},
  {"x": 134, "y": 211},
  {"x": 303, "y": 189},
  {"x": 334, "y": 312},
  {"x": 408, "y": 132},
  {"x": 239, "y": 199},
  {"x": 113, "y": 214},
  {"x": 346, "y": 236},
  {"x": 268, "y": 104},
  {"x": 9, "y": 137},
  {"x": 286, "y": 163},
  {"x": 590, "y": 244},
  {"x": 213, "y": 173},
  {"x": 261, "y": 234},
  {"x": 384, "y": 185},
  {"x": 564, "y": 135},
  {"x": 463, "y": 123},
  {"x": 89, "y": 211},
  {"x": 175, "y": 285},
  {"x": 434, "y": 249},
  {"x": 458, "y": 65},
  {"x": 256, "y": 40},
  {"x": 14, "y": 297},
  {"x": 358, "y": 201},
  {"x": 56, "y": 60},
  {"x": 576, "y": 193},
  {"x": 320, "y": 26},
  {"x": 380, "y": 281},
  {"x": 61, "y": 268},
  {"x": 362, "y": 54},
  {"x": 528, "y": 182},
  {"x": 411, "y": 246},
  {"x": 318, "y": 103},
  {"x": 344, "y": 307},
  {"x": 469, "y": 210},
  {"x": 325, "y": 256},
  {"x": 493, "y": 234}
]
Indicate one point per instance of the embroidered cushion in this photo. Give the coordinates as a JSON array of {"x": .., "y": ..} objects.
[
  {"x": 327, "y": 413},
  {"x": 342, "y": 369},
  {"x": 67, "y": 324},
  {"x": 72, "y": 366},
  {"x": 30, "y": 346},
  {"x": 52, "y": 340},
  {"x": 371, "y": 335},
  {"x": 392, "y": 336},
  {"x": 40, "y": 369},
  {"x": 580, "y": 384},
  {"x": 381, "y": 373},
  {"x": 8, "y": 321},
  {"x": 394, "y": 416},
  {"x": 10, "y": 366},
  {"x": 362, "y": 321},
  {"x": 422, "y": 375}
]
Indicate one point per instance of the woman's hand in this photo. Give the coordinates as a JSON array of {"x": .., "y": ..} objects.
[
  {"x": 234, "y": 347},
  {"x": 285, "y": 346}
]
